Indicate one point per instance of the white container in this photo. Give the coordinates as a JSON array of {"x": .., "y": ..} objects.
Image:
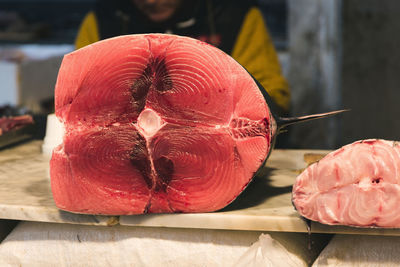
[{"x": 54, "y": 135}]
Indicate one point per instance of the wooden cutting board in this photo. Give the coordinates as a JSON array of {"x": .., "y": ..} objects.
[{"x": 265, "y": 205}]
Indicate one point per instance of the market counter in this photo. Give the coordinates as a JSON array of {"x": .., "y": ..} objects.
[{"x": 201, "y": 239}]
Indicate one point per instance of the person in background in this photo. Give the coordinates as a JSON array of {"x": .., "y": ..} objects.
[{"x": 236, "y": 27}]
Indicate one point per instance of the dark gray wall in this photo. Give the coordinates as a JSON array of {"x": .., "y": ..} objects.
[
  {"x": 314, "y": 73},
  {"x": 345, "y": 53},
  {"x": 371, "y": 69}
]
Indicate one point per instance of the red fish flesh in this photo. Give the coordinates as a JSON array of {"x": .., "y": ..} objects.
[
  {"x": 357, "y": 185},
  {"x": 14, "y": 123},
  {"x": 154, "y": 124}
]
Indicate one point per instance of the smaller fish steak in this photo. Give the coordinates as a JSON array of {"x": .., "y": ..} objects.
[{"x": 356, "y": 185}]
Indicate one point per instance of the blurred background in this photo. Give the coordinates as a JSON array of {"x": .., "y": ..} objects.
[{"x": 335, "y": 54}]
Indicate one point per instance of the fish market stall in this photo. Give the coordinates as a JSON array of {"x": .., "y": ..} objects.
[{"x": 263, "y": 215}]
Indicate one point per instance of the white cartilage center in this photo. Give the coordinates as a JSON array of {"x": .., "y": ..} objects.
[{"x": 149, "y": 122}]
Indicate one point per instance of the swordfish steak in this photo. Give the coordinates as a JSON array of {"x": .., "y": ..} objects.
[
  {"x": 357, "y": 185},
  {"x": 156, "y": 124}
]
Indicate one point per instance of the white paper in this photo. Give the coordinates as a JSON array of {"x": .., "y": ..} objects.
[
  {"x": 47, "y": 244},
  {"x": 360, "y": 250}
]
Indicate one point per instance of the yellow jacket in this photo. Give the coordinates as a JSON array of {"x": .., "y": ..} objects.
[{"x": 252, "y": 48}]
